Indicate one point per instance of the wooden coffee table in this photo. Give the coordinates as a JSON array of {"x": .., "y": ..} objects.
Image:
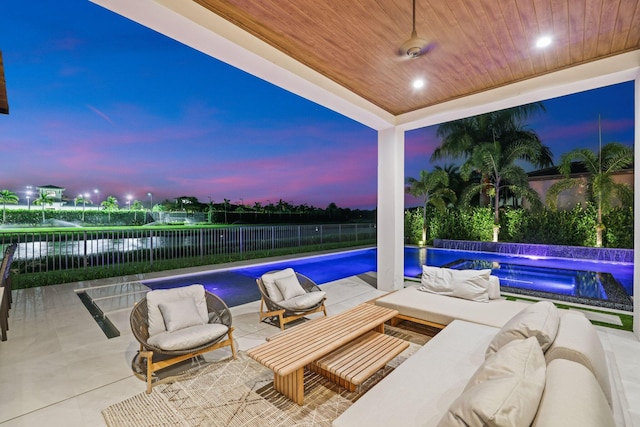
[{"x": 347, "y": 348}]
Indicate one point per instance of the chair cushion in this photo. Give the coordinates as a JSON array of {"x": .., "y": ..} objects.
[
  {"x": 180, "y": 314},
  {"x": 303, "y": 302},
  {"x": 467, "y": 284},
  {"x": 289, "y": 287},
  {"x": 572, "y": 398},
  {"x": 269, "y": 282},
  {"x": 187, "y": 338},
  {"x": 163, "y": 296},
  {"x": 538, "y": 320},
  {"x": 504, "y": 391},
  {"x": 578, "y": 341}
]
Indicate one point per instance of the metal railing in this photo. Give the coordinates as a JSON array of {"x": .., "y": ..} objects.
[{"x": 66, "y": 250}]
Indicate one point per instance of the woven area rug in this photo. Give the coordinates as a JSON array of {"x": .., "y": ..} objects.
[{"x": 240, "y": 393}]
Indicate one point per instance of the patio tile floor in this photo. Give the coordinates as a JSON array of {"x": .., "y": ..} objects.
[{"x": 58, "y": 367}]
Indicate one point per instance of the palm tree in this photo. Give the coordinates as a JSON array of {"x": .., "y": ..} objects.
[
  {"x": 110, "y": 204},
  {"x": 612, "y": 158},
  {"x": 226, "y": 207},
  {"x": 43, "y": 199},
  {"x": 84, "y": 199},
  {"x": 456, "y": 183},
  {"x": 10, "y": 197},
  {"x": 433, "y": 188},
  {"x": 498, "y": 166},
  {"x": 460, "y": 138}
]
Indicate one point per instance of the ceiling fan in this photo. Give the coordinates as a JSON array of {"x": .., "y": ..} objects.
[{"x": 415, "y": 46}]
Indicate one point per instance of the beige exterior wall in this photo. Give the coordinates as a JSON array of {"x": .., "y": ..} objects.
[{"x": 568, "y": 199}]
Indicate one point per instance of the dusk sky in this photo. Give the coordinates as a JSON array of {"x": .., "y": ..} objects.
[{"x": 99, "y": 102}]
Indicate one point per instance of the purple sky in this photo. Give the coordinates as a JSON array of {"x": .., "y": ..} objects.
[{"x": 97, "y": 101}]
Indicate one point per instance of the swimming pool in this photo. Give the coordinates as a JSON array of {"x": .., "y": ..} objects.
[{"x": 591, "y": 282}]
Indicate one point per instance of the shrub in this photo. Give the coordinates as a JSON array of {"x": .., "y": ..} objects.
[{"x": 573, "y": 227}]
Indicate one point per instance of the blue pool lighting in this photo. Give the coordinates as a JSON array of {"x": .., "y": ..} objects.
[{"x": 592, "y": 281}]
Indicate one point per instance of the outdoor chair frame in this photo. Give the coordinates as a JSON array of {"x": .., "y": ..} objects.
[
  {"x": 271, "y": 309},
  {"x": 5, "y": 289},
  {"x": 158, "y": 358}
]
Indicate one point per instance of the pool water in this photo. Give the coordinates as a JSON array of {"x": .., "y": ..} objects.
[
  {"x": 238, "y": 285},
  {"x": 582, "y": 279}
]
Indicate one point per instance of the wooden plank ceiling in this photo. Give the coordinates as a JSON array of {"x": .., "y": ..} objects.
[
  {"x": 4, "y": 103},
  {"x": 474, "y": 45}
]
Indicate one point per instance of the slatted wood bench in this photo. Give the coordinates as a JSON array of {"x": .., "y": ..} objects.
[{"x": 351, "y": 364}]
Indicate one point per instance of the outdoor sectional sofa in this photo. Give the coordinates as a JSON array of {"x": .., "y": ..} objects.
[{"x": 496, "y": 362}]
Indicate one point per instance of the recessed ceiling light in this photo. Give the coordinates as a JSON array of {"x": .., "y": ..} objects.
[
  {"x": 543, "y": 41},
  {"x": 418, "y": 84}
]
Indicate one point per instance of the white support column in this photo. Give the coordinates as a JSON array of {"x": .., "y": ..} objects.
[
  {"x": 636, "y": 214},
  {"x": 390, "y": 209}
]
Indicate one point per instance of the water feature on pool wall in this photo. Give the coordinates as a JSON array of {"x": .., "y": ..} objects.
[{"x": 553, "y": 251}]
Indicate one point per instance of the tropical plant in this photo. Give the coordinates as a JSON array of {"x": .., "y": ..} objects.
[
  {"x": 601, "y": 187},
  {"x": 491, "y": 144},
  {"x": 110, "y": 204},
  {"x": 432, "y": 187},
  {"x": 456, "y": 183},
  {"x": 84, "y": 199},
  {"x": 498, "y": 166},
  {"x": 460, "y": 138},
  {"x": 42, "y": 200},
  {"x": 10, "y": 197}
]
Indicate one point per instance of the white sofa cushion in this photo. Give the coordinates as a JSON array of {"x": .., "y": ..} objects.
[
  {"x": 577, "y": 340},
  {"x": 538, "y": 320},
  {"x": 505, "y": 391},
  {"x": 289, "y": 287},
  {"x": 269, "y": 281},
  {"x": 164, "y": 296},
  {"x": 467, "y": 284},
  {"x": 444, "y": 310},
  {"x": 572, "y": 398},
  {"x": 421, "y": 390},
  {"x": 303, "y": 302},
  {"x": 180, "y": 314},
  {"x": 187, "y": 338}
]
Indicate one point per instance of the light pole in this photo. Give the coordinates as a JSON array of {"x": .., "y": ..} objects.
[
  {"x": 129, "y": 201},
  {"x": 29, "y": 193},
  {"x": 84, "y": 203},
  {"x": 150, "y": 202}
]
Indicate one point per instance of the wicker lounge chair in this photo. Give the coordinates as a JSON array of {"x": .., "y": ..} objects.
[
  {"x": 284, "y": 310},
  {"x": 5, "y": 290},
  {"x": 158, "y": 358},
  {"x": 5, "y": 271}
]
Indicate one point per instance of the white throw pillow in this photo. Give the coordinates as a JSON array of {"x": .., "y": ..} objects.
[
  {"x": 162, "y": 296},
  {"x": 505, "y": 391},
  {"x": 467, "y": 284},
  {"x": 290, "y": 287},
  {"x": 180, "y": 314},
  {"x": 540, "y": 320},
  {"x": 269, "y": 281},
  {"x": 494, "y": 287}
]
